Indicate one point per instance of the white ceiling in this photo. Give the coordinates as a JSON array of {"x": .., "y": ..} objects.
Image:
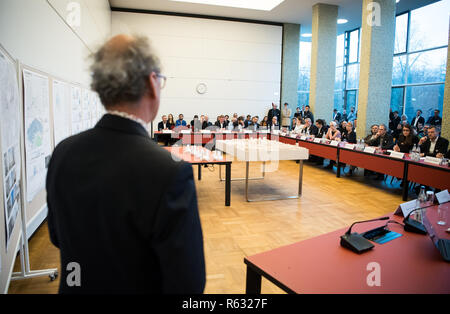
[{"x": 289, "y": 11}]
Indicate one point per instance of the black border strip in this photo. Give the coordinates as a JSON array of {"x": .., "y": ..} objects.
[{"x": 201, "y": 16}]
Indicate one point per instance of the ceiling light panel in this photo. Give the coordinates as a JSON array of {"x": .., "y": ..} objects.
[{"x": 264, "y": 5}]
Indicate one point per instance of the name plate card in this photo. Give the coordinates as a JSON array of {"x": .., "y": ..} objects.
[
  {"x": 293, "y": 135},
  {"x": 205, "y": 131},
  {"x": 397, "y": 155},
  {"x": 405, "y": 208},
  {"x": 370, "y": 149},
  {"x": 265, "y": 131},
  {"x": 167, "y": 131},
  {"x": 334, "y": 143},
  {"x": 248, "y": 131},
  {"x": 317, "y": 140},
  {"x": 185, "y": 131},
  {"x": 443, "y": 197},
  {"x": 432, "y": 160},
  {"x": 350, "y": 146},
  {"x": 226, "y": 131},
  {"x": 303, "y": 138}
]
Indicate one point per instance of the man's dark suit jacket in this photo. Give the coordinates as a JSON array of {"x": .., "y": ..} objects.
[
  {"x": 206, "y": 124},
  {"x": 434, "y": 120},
  {"x": 161, "y": 126},
  {"x": 274, "y": 113},
  {"x": 421, "y": 121},
  {"x": 225, "y": 124},
  {"x": 440, "y": 147},
  {"x": 125, "y": 211},
  {"x": 387, "y": 142}
]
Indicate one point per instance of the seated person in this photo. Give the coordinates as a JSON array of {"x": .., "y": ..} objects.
[
  {"x": 164, "y": 124},
  {"x": 222, "y": 123},
  {"x": 423, "y": 131},
  {"x": 274, "y": 125},
  {"x": 180, "y": 121},
  {"x": 342, "y": 128},
  {"x": 333, "y": 133},
  {"x": 321, "y": 128},
  {"x": 433, "y": 144},
  {"x": 406, "y": 140},
  {"x": 436, "y": 119},
  {"x": 239, "y": 124},
  {"x": 196, "y": 124},
  {"x": 254, "y": 125},
  {"x": 373, "y": 133},
  {"x": 206, "y": 124},
  {"x": 309, "y": 129},
  {"x": 248, "y": 121},
  {"x": 265, "y": 122},
  {"x": 349, "y": 135},
  {"x": 382, "y": 139},
  {"x": 298, "y": 126}
]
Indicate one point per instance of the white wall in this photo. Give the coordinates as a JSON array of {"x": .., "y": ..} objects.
[
  {"x": 36, "y": 33},
  {"x": 239, "y": 62}
]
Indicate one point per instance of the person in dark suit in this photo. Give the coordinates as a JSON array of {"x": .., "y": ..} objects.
[
  {"x": 433, "y": 144},
  {"x": 254, "y": 125},
  {"x": 164, "y": 124},
  {"x": 206, "y": 124},
  {"x": 119, "y": 206},
  {"x": 394, "y": 121},
  {"x": 274, "y": 124},
  {"x": 349, "y": 135},
  {"x": 309, "y": 128},
  {"x": 418, "y": 120},
  {"x": 321, "y": 128},
  {"x": 382, "y": 139},
  {"x": 308, "y": 114},
  {"x": 336, "y": 116},
  {"x": 221, "y": 124},
  {"x": 248, "y": 121},
  {"x": 274, "y": 112},
  {"x": 298, "y": 114},
  {"x": 436, "y": 119}
]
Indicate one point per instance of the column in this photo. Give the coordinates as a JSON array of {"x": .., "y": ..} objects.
[
  {"x": 446, "y": 109},
  {"x": 377, "y": 50},
  {"x": 289, "y": 74},
  {"x": 323, "y": 60}
]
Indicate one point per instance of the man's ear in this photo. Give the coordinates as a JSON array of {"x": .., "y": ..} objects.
[{"x": 153, "y": 85}]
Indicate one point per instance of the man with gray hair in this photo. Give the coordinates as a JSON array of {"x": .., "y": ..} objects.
[{"x": 118, "y": 205}]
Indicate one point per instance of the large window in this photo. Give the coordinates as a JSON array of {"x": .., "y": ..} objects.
[
  {"x": 304, "y": 73},
  {"x": 420, "y": 59},
  {"x": 347, "y": 70}
]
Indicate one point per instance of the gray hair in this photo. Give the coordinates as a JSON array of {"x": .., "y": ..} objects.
[{"x": 122, "y": 74}]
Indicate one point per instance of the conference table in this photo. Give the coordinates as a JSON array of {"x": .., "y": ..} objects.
[
  {"x": 203, "y": 157},
  {"x": 408, "y": 264},
  {"x": 206, "y": 137},
  {"x": 420, "y": 172}
]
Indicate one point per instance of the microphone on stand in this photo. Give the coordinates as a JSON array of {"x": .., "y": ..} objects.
[{"x": 355, "y": 241}]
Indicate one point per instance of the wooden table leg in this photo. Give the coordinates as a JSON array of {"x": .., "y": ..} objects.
[
  {"x": 199, "y": 172},
  {"x": 227, "y": 184}
]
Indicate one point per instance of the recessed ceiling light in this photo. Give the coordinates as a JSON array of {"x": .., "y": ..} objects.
[
  {"x": 307, "y": 35},
  {"x": 397, "y": 1},
  {"x": 265, "y": 5},
  {"x": 342, "y": 21}
]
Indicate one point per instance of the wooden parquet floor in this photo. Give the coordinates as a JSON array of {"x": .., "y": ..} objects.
[{"x": 244, "y": 229}]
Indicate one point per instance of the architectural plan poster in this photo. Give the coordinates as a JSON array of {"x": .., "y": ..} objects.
[
  {"x": 10, "y": 142},
  {"x": 77, "y": 109},
  {"x": 61, "y": 110},
  {"x": 37, "y": 131},
  {"x": 85, "y": 102}
]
